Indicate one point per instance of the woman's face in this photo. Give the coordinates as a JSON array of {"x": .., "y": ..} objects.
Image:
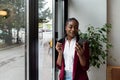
[{"x": 71, "y": 28}]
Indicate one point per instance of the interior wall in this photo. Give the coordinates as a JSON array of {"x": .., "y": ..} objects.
[
  {"x": 113, "y": 17},
  {"x": 91, "y": 12}
]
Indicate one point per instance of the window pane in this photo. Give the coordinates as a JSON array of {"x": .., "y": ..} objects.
[
  {"x": 45, "y": 39},
  {"x": 12, "y": 39}
]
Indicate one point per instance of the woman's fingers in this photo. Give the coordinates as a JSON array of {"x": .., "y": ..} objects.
[
  {"x": 59, "y": 47},
  {"x": 78, "y": 46},
  {"x": 84, "y": 45},
  {"x": 79, "y": 49}
]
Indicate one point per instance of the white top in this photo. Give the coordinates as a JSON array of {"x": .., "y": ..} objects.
[{"x": 69, "y": 51}]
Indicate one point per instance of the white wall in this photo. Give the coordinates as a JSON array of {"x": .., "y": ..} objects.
[
  {"x": 88, "y": 12},
  {"x": 114, "y": 19},
  {"x": 91, "y": 12}
]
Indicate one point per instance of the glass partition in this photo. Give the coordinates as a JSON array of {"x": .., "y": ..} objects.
[
  {"x": 12, "y": 39},
  {"x": 45, "y": 31}
]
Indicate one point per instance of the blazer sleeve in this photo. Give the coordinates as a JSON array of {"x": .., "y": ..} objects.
[
  {"x": 62, "y": 40},
  {"x": 87, "y": 56}
]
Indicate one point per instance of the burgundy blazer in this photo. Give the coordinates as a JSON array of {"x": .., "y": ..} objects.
[{"x": 79, "y": 72}]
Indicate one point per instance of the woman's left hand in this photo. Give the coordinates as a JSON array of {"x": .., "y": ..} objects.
[{"x": 80, "y": 50}]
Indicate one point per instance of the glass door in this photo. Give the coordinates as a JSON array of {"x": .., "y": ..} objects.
[
  {"x": 45, "y": 37},
  {"x": 12, "y": 39},
  {"x": 51, "y": 17}
]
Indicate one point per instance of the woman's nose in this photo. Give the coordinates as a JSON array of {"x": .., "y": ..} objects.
[{"x": 73, "y": 29}]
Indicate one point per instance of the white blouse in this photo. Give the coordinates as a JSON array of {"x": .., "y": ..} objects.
[{"x": 69, "y": 51}]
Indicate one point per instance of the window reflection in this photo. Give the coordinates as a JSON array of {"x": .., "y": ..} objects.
[
  {"x": 45, "y": 39},
  {"x": 12, "y": 40}
]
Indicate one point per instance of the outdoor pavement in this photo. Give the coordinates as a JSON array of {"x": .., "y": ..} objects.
[
  {"x": 12, "y": 61},
  {"x": 45, "y": 61}
]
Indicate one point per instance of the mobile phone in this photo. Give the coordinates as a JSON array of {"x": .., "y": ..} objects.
[
  {"x": 61, "y": 40},
  {"x": 80, "y": 42}
]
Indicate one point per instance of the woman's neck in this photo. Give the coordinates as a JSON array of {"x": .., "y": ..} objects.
[{"x": 69, "y": 38}]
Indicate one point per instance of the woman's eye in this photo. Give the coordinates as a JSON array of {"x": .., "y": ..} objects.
[{"x": 70, "y": 26}]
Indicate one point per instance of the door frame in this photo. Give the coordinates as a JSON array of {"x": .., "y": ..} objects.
[
  {"x": 33, "y": 36},
  {"x": 33, "y": 39}
]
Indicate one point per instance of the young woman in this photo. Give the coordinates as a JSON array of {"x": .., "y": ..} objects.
[{"x": 73, "y": 59}]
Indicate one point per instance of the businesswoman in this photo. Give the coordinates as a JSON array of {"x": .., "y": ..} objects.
[{"x": 73, "y": 57}]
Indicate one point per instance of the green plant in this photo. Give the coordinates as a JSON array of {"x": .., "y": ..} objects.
[{"x": 98, "y": 43}]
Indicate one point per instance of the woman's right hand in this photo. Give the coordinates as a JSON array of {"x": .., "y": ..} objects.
[{"x": 59, "y": 47}]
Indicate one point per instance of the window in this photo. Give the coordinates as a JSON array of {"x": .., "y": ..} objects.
[
  {"x": 12, "y": 39},
  {"x": 45, "y": 38}
]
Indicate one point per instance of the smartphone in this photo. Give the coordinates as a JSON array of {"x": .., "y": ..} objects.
[
  {"x": 80, "y": 42},
  {"x": 61, "y": 40}
]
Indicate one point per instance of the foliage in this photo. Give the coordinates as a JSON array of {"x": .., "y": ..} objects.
[
  {"x": 98, "y": 43},
  {"x": 14, "y": 19},
  {"x": 44, "y": 12}
]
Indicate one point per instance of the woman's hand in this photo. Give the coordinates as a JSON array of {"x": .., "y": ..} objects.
[
  {"x": 59, "y": 47},
  {"x": 60, "y": 51},
  {"x": 80, "y": 50}
]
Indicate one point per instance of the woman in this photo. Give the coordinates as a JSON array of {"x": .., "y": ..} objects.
[{"x": 73, "y": 59}]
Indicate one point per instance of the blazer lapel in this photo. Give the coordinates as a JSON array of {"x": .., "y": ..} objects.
[
  {"x": 75, "y": 61},
  {"x": 75, "y": 64}
]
